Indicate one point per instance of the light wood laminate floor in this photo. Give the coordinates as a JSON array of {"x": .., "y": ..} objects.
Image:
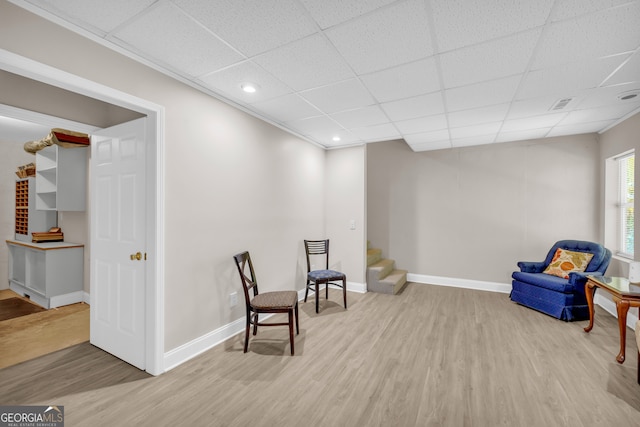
[
  {"x": 27, "y": 337},
  {"x": 430, "y": 356}
]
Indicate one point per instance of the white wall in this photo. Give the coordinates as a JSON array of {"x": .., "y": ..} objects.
[
  {"x": 472, "y": 213},
  {"x": 345, "y": 202},
  {"x": 233, "y": 182}
]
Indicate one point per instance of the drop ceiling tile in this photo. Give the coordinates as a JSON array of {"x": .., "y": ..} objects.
[
  {"x": 360, "y": 117},
  {"x": 522, "y": 135},
  {"x": 229, "y": 80},
  {"x": 427, "y": 137},
  {"x": 422, "y": 124},
  {"x": 609, "y": 32},
  {"x": 339, "y": 96},
  {"x": 380, "y": 40},
  {"x": 286, "y": 108},
  {"x": 384, "y": 132},
  {"x": 569, "y": 78},
  {"x": 612, "y": 112},
  {"x": 608, "y": 95},
  {"x": 482, "y": 94},
  {"x": 580, "y": 128},
  {"x": 306, "y": 63},
  {"x": 477, "y": 116},
  {"x": 490, "y": 60},
  {"x": 317, "y": 124},
  {"x": 418, "y": 106},
  {"x": 537, "y": 122},
  {"x": 473, "y": 140},
  {"x": 328, "y": 13},
  {"x": 629, "y": 72},
  {"x": 476, "y": 130},
  {"x": 98, "y": 14},
  {"x": 568, "y": 9},
  {"x": 403, "y": 81},
  {"x": 460, "y": 23},
  {"x": 272, "y": 23},
  {"x": 168, "y": 36},
  {"x": 430, "y": 146}
]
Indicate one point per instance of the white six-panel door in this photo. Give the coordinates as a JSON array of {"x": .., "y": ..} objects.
[{"x": 117, "y": 244}]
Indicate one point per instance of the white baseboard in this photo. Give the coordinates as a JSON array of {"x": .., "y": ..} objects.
[
  {"x": 66, "y": 299},
  {"x": 188, "y": 351},
  {"x": 460, "y": 283},
  {"x": 360, "y": 288}
]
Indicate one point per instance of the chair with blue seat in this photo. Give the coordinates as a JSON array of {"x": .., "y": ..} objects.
[
  {"x": 316, "y": 277},
  {"x": 560, "y": 297}
]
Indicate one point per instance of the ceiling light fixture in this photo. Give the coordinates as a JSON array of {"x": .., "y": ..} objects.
[
  {"x": 249, "y": 87},
  {"x": 336, "y": 138},
  {"x": 625, "y": 96}
]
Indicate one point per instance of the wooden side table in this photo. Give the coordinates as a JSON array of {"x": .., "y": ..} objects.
[{"x": 625, "y": 294}]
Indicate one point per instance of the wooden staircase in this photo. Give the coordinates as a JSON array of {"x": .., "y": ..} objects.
[{"x": 382, "y": 275}]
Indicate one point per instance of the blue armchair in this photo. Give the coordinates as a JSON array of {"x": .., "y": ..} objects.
[{"x": 561, "y": 298}]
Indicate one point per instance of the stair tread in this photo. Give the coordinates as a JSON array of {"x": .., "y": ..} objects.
[{"x": 381, "y": 263}]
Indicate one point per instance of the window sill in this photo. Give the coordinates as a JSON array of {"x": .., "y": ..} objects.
[{"x": 623, "y": 259}]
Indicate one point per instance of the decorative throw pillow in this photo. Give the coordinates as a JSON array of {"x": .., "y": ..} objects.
[{"x": 565, "y": 262}]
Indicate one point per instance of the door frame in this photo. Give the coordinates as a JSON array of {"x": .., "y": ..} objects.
[{"x": 154, "y": 286}]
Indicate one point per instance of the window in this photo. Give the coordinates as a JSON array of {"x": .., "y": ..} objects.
[{"x": 625, "y": 204}]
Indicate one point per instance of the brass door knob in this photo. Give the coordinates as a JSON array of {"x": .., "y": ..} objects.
[{"x": 136, "y": 256}]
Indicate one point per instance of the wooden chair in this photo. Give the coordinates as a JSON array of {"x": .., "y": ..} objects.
[
  {"x": 318, "y": 276},
  {"x": 268, "y": 302}
]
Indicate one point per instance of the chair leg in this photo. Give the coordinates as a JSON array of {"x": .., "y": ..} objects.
[
  {"x": 326, "y": 289},
  {"x": 255, "y": 323},
  {"x": 291, "y": 330},
  {"x": 317, "y": 304},
  {"x": 246, "y": 334},
  {"x": 306, "y": 291},
  {"x": 295, "y": 310},
  {"x": 344, "y": 291}
]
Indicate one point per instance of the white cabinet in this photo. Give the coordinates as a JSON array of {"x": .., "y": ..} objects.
[
  {"x": 50, "y": 274},
  {"x": 28, "y": 219},
  {"x": 61, "y": 175}
]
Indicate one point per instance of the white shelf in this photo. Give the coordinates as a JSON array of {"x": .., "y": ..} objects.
[{"x": 61, "y": 175}]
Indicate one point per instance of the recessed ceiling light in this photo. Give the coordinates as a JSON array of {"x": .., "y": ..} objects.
[
  {"x": 249, "y": 87},
  {"x": 336, "y": 138},
  {"x": 625, "y": 96}
]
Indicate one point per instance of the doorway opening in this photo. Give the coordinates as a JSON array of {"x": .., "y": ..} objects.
[{"x": 154, "y": 199}]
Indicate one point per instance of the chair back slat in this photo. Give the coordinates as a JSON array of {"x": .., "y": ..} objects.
[
  {"x": 317, "y": 247},
  {"x": 247, "y": 274}
]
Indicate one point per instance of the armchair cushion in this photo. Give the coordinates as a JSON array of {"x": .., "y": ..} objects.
[
  {"x": 565, "y": 262},
  {"x": 546, "y": 281}
]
